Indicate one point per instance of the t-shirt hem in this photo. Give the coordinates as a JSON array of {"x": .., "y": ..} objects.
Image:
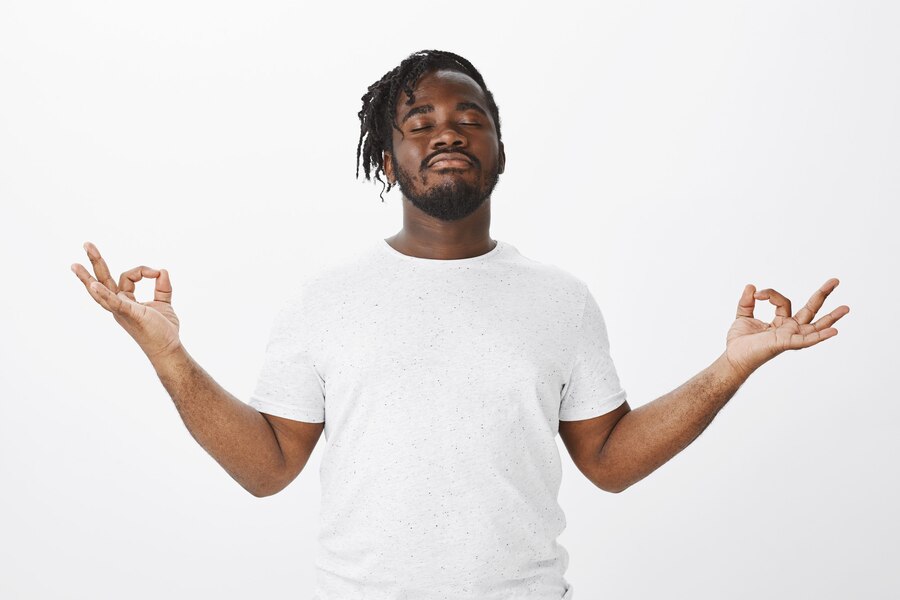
[
  {"x": 287, "y": 412},
  {"x": 608, "y": 405}
]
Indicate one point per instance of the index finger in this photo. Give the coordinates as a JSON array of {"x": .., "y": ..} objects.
[
  {"x": 100, "y": 268},
  {"x": 132, "y": 276},
  {"x": 781, "y": 302}
]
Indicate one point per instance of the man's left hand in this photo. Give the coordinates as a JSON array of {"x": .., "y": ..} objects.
[{"x": 751, "y": 342}]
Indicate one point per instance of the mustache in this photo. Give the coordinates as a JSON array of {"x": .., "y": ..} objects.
[{"x": 431, "y": 156}]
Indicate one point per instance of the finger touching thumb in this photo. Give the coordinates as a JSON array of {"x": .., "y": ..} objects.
[{"x": 163, "y": 290}]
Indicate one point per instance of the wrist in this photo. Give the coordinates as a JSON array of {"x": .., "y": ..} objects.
[
  {"x": 732, "y": 369},
  {"x": 163, "y": 358}
]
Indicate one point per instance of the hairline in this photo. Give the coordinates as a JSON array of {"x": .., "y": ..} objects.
[{"x": 490, "y": 107}]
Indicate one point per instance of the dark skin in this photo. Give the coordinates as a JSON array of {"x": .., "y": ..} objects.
[
  {"x": 423, "y": 134},
  {"x": 424, "y": 236},
  {"x": 619, "y": 448},
  {"x": 264, "y": 453}
]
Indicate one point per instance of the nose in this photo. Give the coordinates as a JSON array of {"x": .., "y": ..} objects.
[{"x": 449, "y": 136}]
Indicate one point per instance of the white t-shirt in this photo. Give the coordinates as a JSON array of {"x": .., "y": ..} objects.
[{"x": 441, "y": 384}]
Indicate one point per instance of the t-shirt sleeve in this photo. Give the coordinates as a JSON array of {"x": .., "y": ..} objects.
[
  {"x": 289, "y": 385},
  {"x": 593, "y": 388}
]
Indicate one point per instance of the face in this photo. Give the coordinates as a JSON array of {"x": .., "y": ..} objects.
[{"x": 446, "y": 158}]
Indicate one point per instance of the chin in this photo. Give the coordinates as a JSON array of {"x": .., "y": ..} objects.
[{"x": 452, "y": 171}]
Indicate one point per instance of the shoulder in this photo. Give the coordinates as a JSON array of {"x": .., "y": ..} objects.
[{"x": 551, "y": 279}]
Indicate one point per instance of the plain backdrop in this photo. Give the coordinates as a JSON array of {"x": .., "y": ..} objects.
[{"x": 667, "y": 153}]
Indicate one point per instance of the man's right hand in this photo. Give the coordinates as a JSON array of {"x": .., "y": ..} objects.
[{"x": 153, "y": 325}]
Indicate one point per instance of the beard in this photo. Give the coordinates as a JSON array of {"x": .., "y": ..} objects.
[{"x": 454, "y": 198}]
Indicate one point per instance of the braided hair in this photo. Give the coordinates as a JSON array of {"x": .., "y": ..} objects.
[{"x": 377, "y": 119}]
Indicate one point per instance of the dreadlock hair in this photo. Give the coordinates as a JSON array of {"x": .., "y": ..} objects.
[{"x": 377, "y": 119}]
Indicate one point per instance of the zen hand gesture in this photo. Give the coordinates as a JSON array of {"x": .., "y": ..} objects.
[
  {"x": 153, "y": 325},
  {"x": 751, "y": 342}
]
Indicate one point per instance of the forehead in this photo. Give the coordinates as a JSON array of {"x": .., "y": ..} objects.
[{"x": 446, "y": 85}]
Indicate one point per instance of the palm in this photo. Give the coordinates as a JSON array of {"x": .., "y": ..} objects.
[
  {"x": 158, "y": 317},
  {"x": 153, "y": 324},
  {"x": 751, "y": 342}
]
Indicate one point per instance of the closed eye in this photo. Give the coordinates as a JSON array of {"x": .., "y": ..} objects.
[{"x": 424, "y": 127}]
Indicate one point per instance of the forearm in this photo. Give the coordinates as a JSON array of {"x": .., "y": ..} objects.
[
  {"x": 236, "y": 435},
  {"x": 648, "y": 436}
]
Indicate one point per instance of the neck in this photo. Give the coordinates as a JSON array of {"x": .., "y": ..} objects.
[{"x": 424, "y": 236}]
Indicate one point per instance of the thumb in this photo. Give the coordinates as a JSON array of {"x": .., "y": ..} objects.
[
  {"x": 162, "y": 291},
  {"x": 747, "y": 302}
]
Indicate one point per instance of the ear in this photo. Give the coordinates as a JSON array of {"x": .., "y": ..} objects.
[
  {"x": 389, "y": 167},
  {"x": 501, "y": 165}
]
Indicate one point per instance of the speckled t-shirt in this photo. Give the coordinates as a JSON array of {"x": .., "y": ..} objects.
[{"x": 441, "y": 384}]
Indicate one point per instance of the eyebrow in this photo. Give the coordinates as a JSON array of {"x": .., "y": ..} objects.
[{"x": 427, "y": 108}]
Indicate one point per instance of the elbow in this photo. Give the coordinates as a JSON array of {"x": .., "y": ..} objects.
[
  {"x": 264, "y": 492},
  {"x": 611, "y": 484},
  {"x": 612, "y": 489},
  {"x": 607, "y": 482}
]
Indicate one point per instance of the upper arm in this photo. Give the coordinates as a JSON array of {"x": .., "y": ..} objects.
[
  {"x": 584, "y": 439},
  {"x": 297, "y": 440}
]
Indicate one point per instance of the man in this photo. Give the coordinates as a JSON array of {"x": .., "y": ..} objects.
[{"x": 446, "y": 362}]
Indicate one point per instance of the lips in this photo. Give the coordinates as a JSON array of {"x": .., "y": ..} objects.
[{"x": 449, "y": 160}]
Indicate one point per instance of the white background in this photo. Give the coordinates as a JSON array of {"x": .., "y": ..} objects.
[{"x": 667, "y": 153}]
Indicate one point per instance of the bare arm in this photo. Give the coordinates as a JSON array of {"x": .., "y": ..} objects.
[
  {"x": 646, "y": 437},
  {"x": 262, "y": 453},
  {"x": 236, "y": 435}
]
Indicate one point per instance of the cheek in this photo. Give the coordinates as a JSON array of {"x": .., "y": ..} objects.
[{"x": 408, "y": 159}]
